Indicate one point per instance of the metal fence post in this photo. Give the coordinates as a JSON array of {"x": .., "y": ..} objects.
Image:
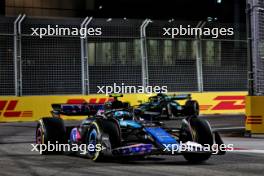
[
  {"x": 255, "y": 35},
  {"x": 17, "y": 55},
  {"x": 199, "y": 62},
  {"x": 257, "y": 71},
  {"x": 249, "y": 51},
  {"x": 144, "y": 56},
  {"x": 84, "y": 59}
]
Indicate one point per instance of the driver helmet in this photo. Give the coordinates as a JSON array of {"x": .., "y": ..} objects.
[
  {"x": 123, "y": 115},
  {"x": 108, "y": 106},
  {"x": 100, "y": 112}
]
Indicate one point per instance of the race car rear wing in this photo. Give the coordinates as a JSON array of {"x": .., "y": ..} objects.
[
  {"x": 181, "y": 97},
  {"x": 76, "y": 109}
]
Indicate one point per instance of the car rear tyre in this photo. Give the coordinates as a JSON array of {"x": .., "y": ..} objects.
[{"x": 50, "y": 131}]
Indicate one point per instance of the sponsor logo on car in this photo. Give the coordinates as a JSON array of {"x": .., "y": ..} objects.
[{"x": 90, "y": 101}]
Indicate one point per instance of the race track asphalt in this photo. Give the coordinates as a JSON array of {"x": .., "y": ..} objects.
[{"x": 17, "y": 159}]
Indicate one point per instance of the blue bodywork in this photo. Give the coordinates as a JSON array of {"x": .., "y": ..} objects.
[
  {"x": 125, "y": 119},
  {"x": 129, "y": 123},
  {"x": 161, "y": 137}
]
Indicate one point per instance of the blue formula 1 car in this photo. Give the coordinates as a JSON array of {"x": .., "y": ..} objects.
[{"x": 121, "y": 134}]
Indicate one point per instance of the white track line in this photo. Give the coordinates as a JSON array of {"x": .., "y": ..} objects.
[{"x": 248, "y": 151}]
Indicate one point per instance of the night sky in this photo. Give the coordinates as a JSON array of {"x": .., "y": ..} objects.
[
  {"x": 178, "y": 9},
  {"x": 223, "y": 10}
]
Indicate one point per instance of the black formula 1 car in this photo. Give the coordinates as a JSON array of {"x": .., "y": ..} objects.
[
  {"x": 167, "y": 107},
  {"x": 118, "y": 133}
]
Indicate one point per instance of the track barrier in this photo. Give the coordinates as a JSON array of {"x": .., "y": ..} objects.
[{"x": 32, "y": 108}]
